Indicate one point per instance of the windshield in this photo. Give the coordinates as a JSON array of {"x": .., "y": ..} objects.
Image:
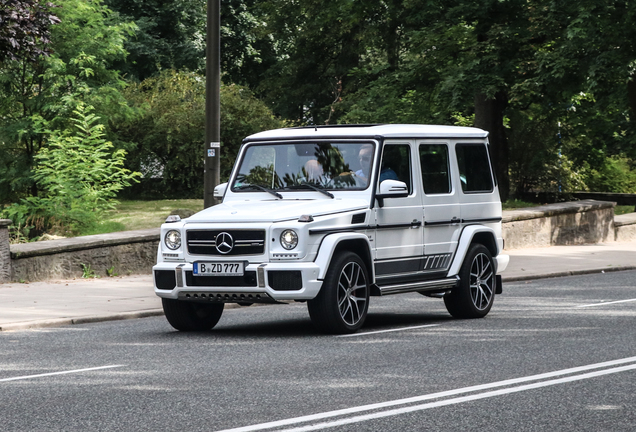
[{"x": 334, "y": 166}]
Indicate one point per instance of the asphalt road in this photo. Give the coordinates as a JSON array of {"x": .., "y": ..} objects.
[{"x": 553, "y": 355}]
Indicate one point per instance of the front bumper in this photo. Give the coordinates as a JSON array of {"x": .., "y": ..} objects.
[
  {"x": 262, "y": 282},
  {"x": 502, "y": 262}
]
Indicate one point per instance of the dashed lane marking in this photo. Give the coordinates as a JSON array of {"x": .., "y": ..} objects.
[
  {"x": 59, "y": 373},
  {"x": 606, "y": 303},
  {"x": 387, "y": 331}
]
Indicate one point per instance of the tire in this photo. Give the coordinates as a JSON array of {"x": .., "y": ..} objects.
[
  {"x": 475, "y": 294},
  {"x": 190, "y": 316},
  {"x": 342, "y": 304}
]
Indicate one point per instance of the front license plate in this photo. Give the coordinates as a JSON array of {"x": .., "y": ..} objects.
[{"x": 218, "y": 269}]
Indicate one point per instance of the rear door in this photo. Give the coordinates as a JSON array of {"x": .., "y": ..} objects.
[{"x": 441, "y": 208}]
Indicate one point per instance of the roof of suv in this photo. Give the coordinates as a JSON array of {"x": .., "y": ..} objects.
[{"x": 370, "y": 131}]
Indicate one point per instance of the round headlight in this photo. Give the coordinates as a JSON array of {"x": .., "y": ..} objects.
[
  {"x": 173, "y": 239},
  {"x": 289, "y": 239}
]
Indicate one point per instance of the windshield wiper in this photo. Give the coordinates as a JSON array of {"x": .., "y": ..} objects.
[
  {"x": 309, "y": 185},
  {"x": 264, "y": 189}
]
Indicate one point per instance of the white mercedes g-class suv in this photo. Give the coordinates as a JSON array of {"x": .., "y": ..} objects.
[{"x": 331, "y": 215}]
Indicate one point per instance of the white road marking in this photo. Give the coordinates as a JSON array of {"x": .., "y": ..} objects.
[
  {"x": 380, "y": 405},
  {"x": 606, "y": 303},
  {"x": 358, "y": 419},
  {"x": 387, "y": 331},
  {"x": 59, "y": 373}
]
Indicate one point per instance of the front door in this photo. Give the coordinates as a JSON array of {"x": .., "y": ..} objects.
[{"x": 398, "y": 237}]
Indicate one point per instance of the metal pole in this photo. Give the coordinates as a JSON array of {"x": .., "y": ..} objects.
[{"x": 211, "y": 175}]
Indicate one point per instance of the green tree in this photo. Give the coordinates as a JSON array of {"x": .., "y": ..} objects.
[
  {"x": 78, "y": 174},
  {"x": 84, "y": 46},
  {"x": 172, "y": 35},
  {"x": 166, "y": 140}
]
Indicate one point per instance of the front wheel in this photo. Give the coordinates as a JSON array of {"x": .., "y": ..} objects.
[
  {"x": 342, "y": 304},
  {"x": 475, "y": 294},
  {"x": 190, "y": 316}
]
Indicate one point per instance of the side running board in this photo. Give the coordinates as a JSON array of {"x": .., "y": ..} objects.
[{"x": 431, "y": 285}]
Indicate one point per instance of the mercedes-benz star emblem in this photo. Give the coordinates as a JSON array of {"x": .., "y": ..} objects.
[{"x": 224, "y": 243}]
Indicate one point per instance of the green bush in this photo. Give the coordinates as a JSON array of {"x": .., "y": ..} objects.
[
  {"x": 78, "y": 175},
  {"x": 614, "y": 175}
]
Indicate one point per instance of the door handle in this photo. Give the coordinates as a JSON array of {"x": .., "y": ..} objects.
[
  {"x": 455, "y": 221},
  {"x": 416, "y": 223}
]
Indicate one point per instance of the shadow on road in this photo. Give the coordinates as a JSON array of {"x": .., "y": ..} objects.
[{"x": 302, "y": 327}]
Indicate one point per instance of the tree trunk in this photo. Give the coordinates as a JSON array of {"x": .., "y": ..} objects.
[
  {"x": 489, "y": 114},
  {"x": 631, "y": 97}
]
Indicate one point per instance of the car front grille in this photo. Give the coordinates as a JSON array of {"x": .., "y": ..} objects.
[{"x": 242, "y": 242}]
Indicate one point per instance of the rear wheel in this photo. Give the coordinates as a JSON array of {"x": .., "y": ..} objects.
[
  {"x": 190, "y": 316},
  {"x": 475, "y": 294},
  {"x": 342, "y": 304}
]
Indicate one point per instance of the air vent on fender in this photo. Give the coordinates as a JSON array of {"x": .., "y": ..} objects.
[{"x": 358, "y": 218}]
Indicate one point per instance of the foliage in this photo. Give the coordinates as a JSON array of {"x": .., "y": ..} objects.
[
  {"x": 615, "y": 175},
  {"x": 553, "y": 82},
  {"x": 168, "y": 136},
  {"x": 83, "y": 47},
  {"x": 88, "y": 272},
  {"x": 78, "y": 174},
  {"x": 24, "y": 29},
  {"x": 172, "y": 35}
]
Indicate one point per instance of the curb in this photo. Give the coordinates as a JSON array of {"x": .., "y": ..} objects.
[
  {"x": 566, "y": 273},
  {"x": 81, "y": 320},
  {"x": 59, "y": 322}
]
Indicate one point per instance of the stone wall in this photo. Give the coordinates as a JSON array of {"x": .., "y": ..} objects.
[
  {"x": 5, "y": 261},
  {"x": 625, "y": 227},
  {"x": 126, "y": 252},
  {"x": 569, "y": 223},
  {"x": 134, "y": 252}
]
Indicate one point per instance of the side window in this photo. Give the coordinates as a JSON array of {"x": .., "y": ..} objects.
[
  {"x": 396, "y": 164},
  {"x": 474, "y": 168},
  {"x": 435, "y": 169}
]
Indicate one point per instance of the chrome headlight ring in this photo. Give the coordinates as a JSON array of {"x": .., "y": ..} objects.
[
  {"x": 289, "y": 239},
  {"x": 173, "y": 239}
]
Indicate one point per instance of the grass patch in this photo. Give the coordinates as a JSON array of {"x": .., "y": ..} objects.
[
  {"x": 622, "y": 209},
  {"x": 134, "y": 215},
  {"x": 515, "y": 204},
  {"x": 104, "y": 227}
]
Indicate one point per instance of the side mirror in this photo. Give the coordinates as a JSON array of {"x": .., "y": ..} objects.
[
  {"x": 391, "y": 189},
  {"x": 219, "y": 190}
]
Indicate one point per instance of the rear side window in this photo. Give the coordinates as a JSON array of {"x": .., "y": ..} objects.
[
  {"x": 474, "y": 168},
  {"x": 435, "y": 169},
  {"x": 396, "y": 164}
]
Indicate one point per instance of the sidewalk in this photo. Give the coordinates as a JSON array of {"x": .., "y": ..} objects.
[{"x": 56, "y": 303}]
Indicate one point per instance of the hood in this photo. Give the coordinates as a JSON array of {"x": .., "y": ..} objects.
[{"x": 274, "y": 210}]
